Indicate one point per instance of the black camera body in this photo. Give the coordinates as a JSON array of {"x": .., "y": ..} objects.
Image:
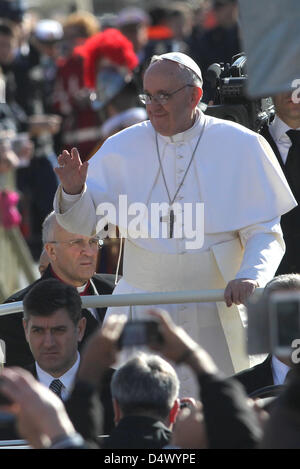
[{"x": 231, "y": 101}]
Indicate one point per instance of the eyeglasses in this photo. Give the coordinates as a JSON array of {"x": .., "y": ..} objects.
[
  {"x": 161, "y": 98},
  {"x": 94, "y": 243}
]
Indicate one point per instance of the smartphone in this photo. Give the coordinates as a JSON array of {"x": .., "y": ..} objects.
[
  {"x": 140, "y": 333},
  {"x": 284, "y": 321}
]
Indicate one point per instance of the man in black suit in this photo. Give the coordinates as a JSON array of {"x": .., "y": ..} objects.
[
  {"x": 73, "y": 260},
  {"x": 257, "y": 377},
  {"x": 274, "y": 369},
  {"x": 283, "y": 134},
  {"x": 54, "y": 326}
]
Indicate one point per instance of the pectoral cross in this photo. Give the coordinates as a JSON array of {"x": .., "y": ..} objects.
[{"x": 170, "y": 219}]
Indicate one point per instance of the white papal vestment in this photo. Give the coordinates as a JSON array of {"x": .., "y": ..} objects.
[{"x": 236, "y": 176}]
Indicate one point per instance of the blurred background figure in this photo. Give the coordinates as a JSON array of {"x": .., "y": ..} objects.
[
  {"x": 134, "y": 23},
  {"x": 47, "y": 36},
  {"x": 28, "y": 54},
  {"x": 77, "y": 27},
  {"x": 181, "y": 23},
  {"x": 160, "y": 34},
  {"x": 71, "y": 98}
]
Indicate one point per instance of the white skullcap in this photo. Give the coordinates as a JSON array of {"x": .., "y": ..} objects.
[
  {"x": 184, "y": 60},
  {"x": 48, "y": 31}
]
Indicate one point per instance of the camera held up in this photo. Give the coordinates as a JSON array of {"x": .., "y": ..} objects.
[{"x": 231, "y": 101}]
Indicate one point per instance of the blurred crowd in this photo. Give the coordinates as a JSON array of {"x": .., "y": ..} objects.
[{"x": 74, "y": 81}]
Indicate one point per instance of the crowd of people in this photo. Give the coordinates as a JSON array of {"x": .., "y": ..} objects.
[{"x": 97, "y": 110}]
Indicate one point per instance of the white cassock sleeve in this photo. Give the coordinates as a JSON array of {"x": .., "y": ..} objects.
[
  {"x": 264, "y": 248},
  {"x": 67, "y": 201}
]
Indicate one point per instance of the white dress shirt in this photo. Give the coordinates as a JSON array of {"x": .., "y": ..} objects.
[{"x": 67, "y": 378}]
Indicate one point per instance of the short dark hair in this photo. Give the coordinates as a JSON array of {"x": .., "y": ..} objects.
[{"x": 49, "y": 295}]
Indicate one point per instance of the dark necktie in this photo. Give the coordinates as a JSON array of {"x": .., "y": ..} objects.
[
  {"x": 56, "y": 386},
  {"x": 292, "y": 165}
]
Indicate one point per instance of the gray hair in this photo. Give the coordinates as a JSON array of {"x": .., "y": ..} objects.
[
  {"x": 188, "y": 75},
  {"x": 282, "y": 282},
  {"x": 48, "y": 228},
  {"x": 145, "y": 384}
]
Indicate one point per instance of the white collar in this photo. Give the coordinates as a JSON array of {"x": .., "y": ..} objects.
[
  {"x": 278, "y": 130},
  {"x": 67, "y": 378},
  {"x": 188, "y": 134},
  {"x": 82, "y": 288}
]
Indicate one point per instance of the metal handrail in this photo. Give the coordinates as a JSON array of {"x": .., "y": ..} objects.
[{"x": 186, "y": 296}]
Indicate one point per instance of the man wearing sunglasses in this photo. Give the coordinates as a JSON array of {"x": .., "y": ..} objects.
[{"x": 181, "y": 156}]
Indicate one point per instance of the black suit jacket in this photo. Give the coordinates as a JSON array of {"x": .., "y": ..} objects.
[
  {"x": 11, "y": 329},
  {"x": 290, "y": 222},
  {"x": 78, "y": 407},
  {"x": 257, "y": 377},
  {"x": 89, "y": 409}
]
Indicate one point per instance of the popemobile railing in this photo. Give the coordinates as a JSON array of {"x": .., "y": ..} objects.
[{"x": 134, "y": 299}]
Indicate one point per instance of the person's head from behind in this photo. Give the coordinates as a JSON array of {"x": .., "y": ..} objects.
[
  {"x": 282, "y": 283},
  {"x": 53, "y": 325},
  {"x": 172, "y": 82},
  {"x": 73, "y": 257},
  {"x": 146, "y": 385}
]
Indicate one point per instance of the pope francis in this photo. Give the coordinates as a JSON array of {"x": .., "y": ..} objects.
[{"x": 184, "y": 160}]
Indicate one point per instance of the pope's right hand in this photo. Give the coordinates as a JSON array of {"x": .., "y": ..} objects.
[{"x": 71, "y": 172}]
